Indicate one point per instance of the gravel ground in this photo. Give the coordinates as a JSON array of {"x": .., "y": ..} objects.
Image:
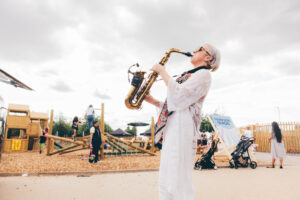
[{"x": 33, "y": 162}]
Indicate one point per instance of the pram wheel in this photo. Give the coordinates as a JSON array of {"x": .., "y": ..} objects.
[
  {"x": 231, "y": 165},
  {"x": 253, "y": 164},
  {"x": 197, "y": 165}
]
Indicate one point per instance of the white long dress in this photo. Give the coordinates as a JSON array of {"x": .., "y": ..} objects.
[
  {"x": 180, "y": 137},
  {"x": 277, "y": 149}
]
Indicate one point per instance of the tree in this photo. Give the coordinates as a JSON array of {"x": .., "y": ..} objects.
[
  {"x": 134, "y": 130},
  {"x": 131, "y": 130},
  {"x": 84, "y": 128},
  {"x": 62, "y": 128},
  {"x": 206, "y": 125},
  {"x": 107, "y": 127}
]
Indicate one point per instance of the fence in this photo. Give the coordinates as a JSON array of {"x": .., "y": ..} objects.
[{"x": 290, "y": 132}]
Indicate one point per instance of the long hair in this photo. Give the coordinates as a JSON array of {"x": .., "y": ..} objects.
[
  {"x": 277, "y": 131},
  {"x": 75, "y": 119}
]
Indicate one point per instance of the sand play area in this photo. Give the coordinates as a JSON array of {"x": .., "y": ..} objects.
[{"x": 33, "y": 162}]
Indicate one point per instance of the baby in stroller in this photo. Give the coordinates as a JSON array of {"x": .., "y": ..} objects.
[
  {"x": 206, "y": 161},
  {"x": 240, "y": 156}
]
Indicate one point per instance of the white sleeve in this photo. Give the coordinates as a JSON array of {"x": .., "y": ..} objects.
[
  {"x": 92, "y": 130},
  {"x": 181, "y": 96}
]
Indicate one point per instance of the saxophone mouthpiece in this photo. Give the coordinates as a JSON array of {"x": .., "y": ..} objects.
[{"x": 188, "y": 54}]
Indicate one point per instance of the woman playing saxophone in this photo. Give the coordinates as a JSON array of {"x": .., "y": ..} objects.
[{"x": 179, "y": 122}]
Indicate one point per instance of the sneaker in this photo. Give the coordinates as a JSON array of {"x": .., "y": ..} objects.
[
  {"x": 272, "y": 166},
  {"x": 281, "y": 167}
]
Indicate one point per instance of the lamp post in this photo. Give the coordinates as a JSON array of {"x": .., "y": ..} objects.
[{"x": 278, "y": 109}]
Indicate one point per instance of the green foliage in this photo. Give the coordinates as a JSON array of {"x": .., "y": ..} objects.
[
  {"x": 205, "y": 125},
  {"x": 131, "y": 130},
  {"x": 63, "y": 128},
  {"x": 107, "y": 128},
  {"x": 83, "y": 127}
]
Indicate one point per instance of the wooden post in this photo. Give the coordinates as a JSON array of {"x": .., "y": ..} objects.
[
  {"x": 50, "y": 133},
  {"x": 152, "y": 136},
  {"x": 102, "y": 132}
]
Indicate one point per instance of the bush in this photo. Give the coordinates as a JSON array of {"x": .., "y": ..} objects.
[{"x": 63, "y": 128}]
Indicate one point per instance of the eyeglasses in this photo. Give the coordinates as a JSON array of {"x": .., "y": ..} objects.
[{"x": 202, "y": 48}]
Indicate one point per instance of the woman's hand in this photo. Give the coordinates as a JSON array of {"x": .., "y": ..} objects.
[{"x": 158, "y": 68}]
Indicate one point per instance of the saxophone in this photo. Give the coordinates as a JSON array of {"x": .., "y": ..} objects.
[{"x": 140, "y": 88}]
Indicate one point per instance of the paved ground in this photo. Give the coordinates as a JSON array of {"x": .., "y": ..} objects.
[
  {"x": 291, "y": 159},
  {"x": 221, "y": 184}
]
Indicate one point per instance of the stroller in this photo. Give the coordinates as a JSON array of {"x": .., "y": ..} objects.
[
  {"x": 240, "y": 156},
  {"x": 205, "y": 161}
]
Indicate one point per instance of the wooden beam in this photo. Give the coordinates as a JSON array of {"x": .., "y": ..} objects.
[
  {"x": 67, "y": 140},
  {"x": 114, "y": 145},
  {"x": 63, "y": 149},
  {"x": 130, "y": 144},
  {"x": 72, "y": 150}
]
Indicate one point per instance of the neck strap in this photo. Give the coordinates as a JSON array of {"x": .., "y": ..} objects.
[{"x": 194, "y": 70}]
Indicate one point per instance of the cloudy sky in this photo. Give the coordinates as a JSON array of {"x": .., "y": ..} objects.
[{"x": 76, "y": 53}]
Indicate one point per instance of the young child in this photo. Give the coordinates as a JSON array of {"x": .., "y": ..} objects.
[
  {"x": 43, "y": 140},
  {"x": 75, "y": 127}
]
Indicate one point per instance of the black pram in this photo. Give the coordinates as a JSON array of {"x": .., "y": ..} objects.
[
  {"x": 240, "y": 156},
  {"x": 205, "y": 161}
]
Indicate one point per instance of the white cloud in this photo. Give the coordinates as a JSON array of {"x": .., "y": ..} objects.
[{"x": 84, "y": 49}]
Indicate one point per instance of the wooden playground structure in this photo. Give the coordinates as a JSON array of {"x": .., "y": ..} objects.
[
  {"x": 118, "y": 146},
  {"x": 22, "y": 128}
]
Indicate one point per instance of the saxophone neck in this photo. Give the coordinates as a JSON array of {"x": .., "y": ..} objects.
[{"x": 173, "y": 50}]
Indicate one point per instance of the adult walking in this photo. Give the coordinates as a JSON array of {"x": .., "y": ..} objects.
[
  {"x": 182, "y": 111},
  {"x": 277, "y": 145}
]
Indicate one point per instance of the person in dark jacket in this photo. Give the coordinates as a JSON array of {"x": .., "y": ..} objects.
[{"x": 95, "y": 138}]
